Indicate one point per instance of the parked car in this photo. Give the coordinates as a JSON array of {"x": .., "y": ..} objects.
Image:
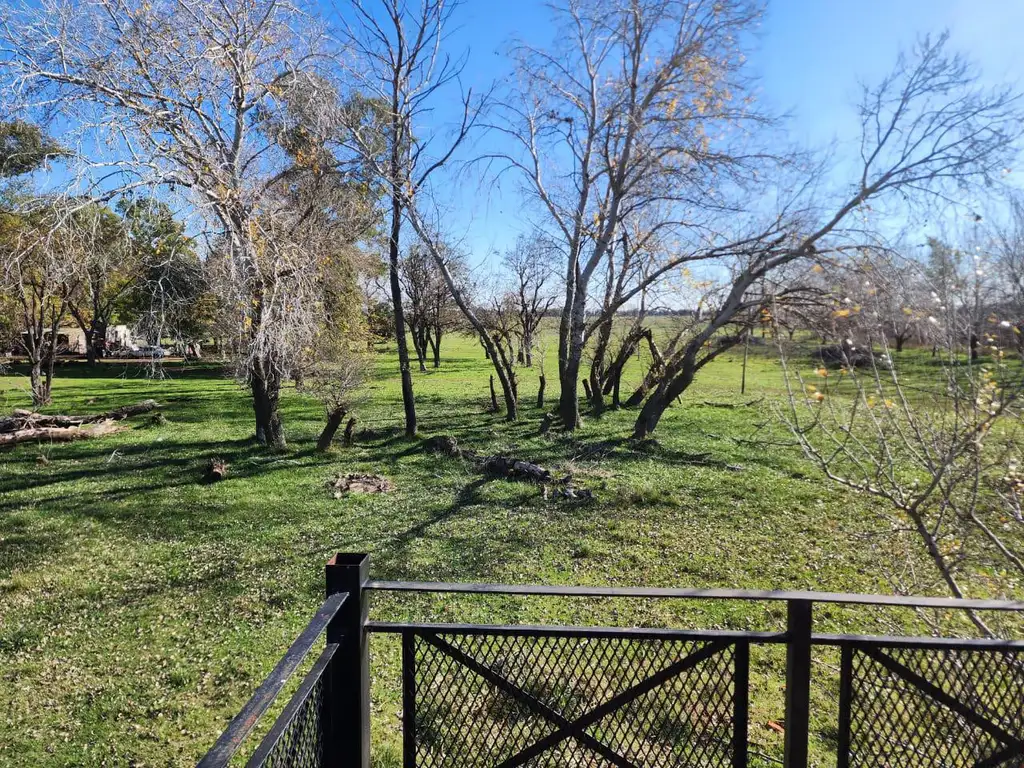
[{"x": 153, "y": 352}]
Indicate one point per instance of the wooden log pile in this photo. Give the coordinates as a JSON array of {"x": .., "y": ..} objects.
[{"x": 28, "y": 426}]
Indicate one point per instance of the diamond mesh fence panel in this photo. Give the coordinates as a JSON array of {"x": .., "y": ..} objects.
[
  {"x": 561, "y": 701},
  {"x": 895, "y": 721},
  {"x": 300, "y": 743}
]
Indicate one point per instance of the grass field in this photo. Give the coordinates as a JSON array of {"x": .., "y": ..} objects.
[{"x": 139, "y": 607}]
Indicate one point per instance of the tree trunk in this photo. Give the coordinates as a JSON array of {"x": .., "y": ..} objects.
[
  {"x": 350, "y": 429},
  {"x": 90, "y": 347},
  {"x": 900, "y": 341},
  {"x": 436, "y": 344},
  {"x": 419, "y": 345},
  {"x": 598, "y": 368},
  {"x": 659, "y": 401},
  {"x": 540, "y": 392},
  {"x": 568, "y": 399},
  {"x": 60, "y": 434},
  {"x": 494, "y": 397},
  {"x": 572, "y": 339},
  {"x": 266, "y": 392},
  {"x": 746, "y": 353},
  {"x": 657, "y": 363},
  {"x": 511, "y": 395},
  {"x": 48, "y": 376},
  {"x": 40, "y": 388},
  {"x": 596, "y": 396},
  {"x": 334, "y": 419},
  {"x": 408, "y": 399},
  {"x": 21, "y": 419}
]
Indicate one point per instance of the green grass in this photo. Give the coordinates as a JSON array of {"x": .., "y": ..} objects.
[{"x": 139, "y": 607}]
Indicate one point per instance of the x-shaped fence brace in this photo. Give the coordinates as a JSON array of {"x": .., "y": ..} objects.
[
  {"x": 566, "y": 728},
  {"x": 1012, "y": 745}
]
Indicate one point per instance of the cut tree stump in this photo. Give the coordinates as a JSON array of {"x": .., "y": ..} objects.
[
  {"x": 546, "y": 422},
  {"x": 350, "y": 429},
  {"x": 216, "y": 470}
]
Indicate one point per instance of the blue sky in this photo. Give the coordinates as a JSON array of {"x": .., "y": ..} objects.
[{"x": 809, "y": 57}]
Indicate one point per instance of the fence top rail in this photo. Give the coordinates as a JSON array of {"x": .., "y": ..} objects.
[
  {"x": 243, "y": 723},
  {"x": 578, "y": 632},
  {"x": 661, "y": 593}
]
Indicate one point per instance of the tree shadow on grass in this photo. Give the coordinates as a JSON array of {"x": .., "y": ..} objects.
[
  {"x": 140, "y": 472},
  {"x": 163, "y": 455},
  {"x": 25, "y": 544},
  {"x": 393, "y": 556}
]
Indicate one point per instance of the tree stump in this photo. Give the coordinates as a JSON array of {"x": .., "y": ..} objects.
[
  {"x": 349, "y": 431},
  {"x": 216, "y": 470}
]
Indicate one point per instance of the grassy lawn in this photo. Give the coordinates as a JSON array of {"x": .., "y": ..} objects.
[{"x": 139, "y": 607}]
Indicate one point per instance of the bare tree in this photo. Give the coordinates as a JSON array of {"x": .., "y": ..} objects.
[
  {"x": 431, "y": 311},
  {"x": 108, "y": 275},
  {"x": 619, "y": 117},
  {"x": 927, "y": 130},
  {"x": 929, "y": 449},
  {"x": 1009, "y": 269},
  {"x": 900, "y": 289},
  {"x": 180, "y": 91},
  {"x": 335, "y": 381},
  {"x": 398, "y": 63},
  {"x": 40, "y": 253},
  {"x": 529, "y": 266}
]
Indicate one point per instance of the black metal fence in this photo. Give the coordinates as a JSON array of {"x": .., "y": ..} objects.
[{"x": 503, "y": 696}]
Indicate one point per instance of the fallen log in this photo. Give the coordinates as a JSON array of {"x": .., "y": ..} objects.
[
  {"x": 507, "y": 466},
  {"x": 21, "y": 420},
  {"x": 60, "y": 434},
  {"x": 711, "y": 404}
]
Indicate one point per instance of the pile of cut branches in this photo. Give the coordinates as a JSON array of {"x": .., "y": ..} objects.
[
  {"x": 510, "y": 468},
  {"x": 28, "y": 426}
]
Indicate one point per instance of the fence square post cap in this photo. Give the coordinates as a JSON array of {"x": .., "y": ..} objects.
[{"x": 349, "y": 558}]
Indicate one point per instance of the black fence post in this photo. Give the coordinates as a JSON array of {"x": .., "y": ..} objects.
[
  {"x": 741, "y": 705},
  {"x": 347, "y": 693},
  {"x": 845, "y": 701},
  {"x": 798, "y": 682}
]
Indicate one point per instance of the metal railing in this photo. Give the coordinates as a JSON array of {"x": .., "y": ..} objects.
[{"x": 510, "y": 695}]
